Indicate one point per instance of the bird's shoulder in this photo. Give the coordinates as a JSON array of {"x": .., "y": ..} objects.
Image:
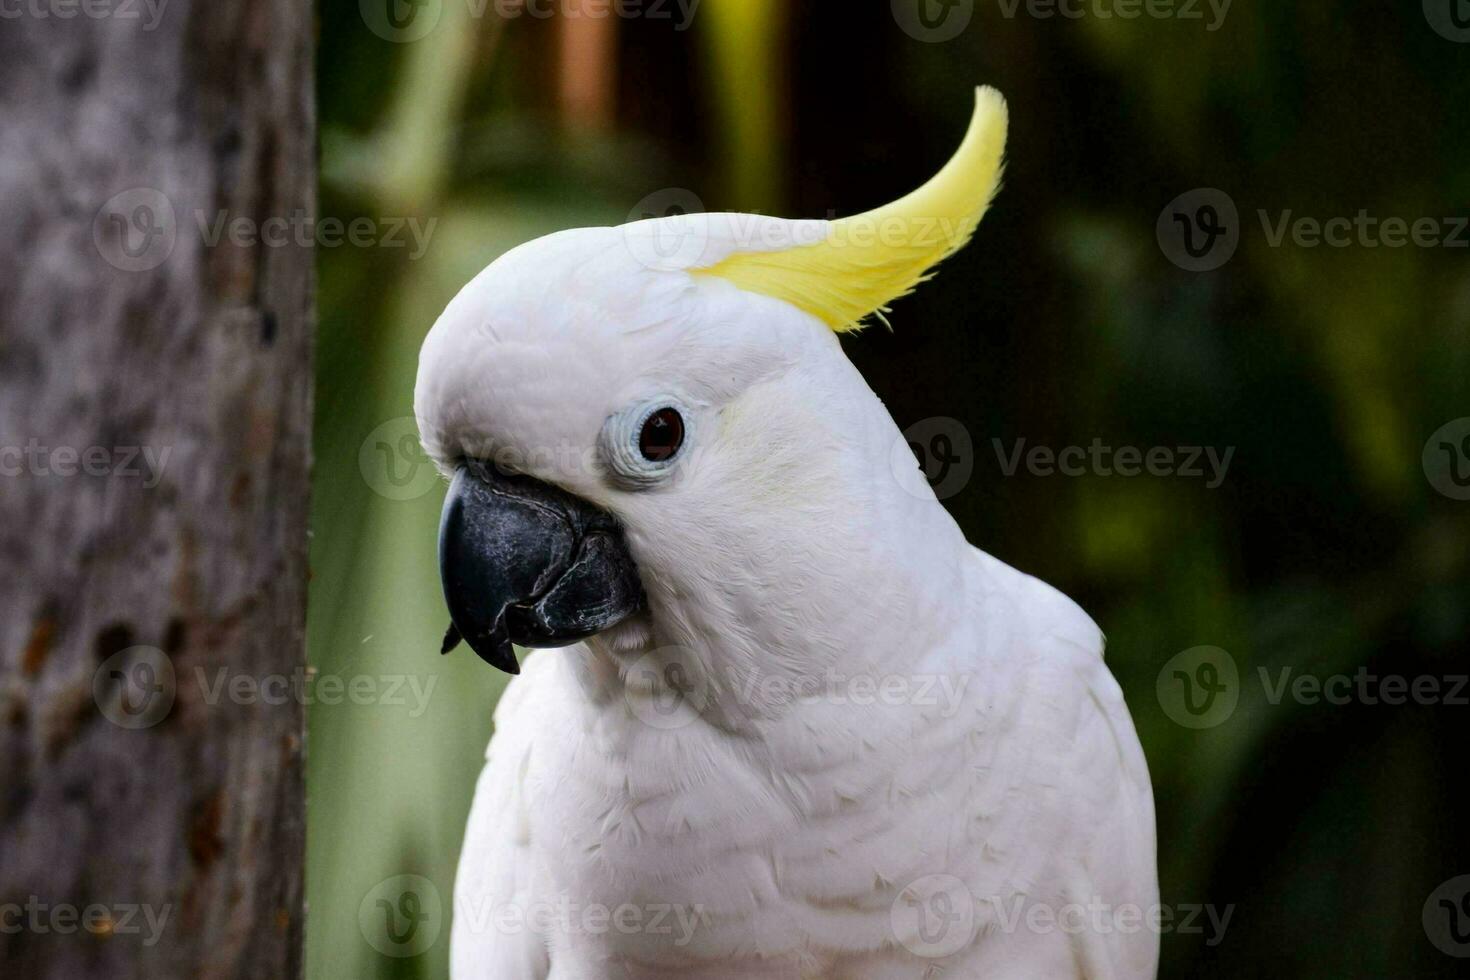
[
  {"x": 1064, "y": 694},
  {"x": 1064, "y": 772}
]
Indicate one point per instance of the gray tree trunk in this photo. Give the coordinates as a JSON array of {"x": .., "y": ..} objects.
[{"x": 155, "y": 387}]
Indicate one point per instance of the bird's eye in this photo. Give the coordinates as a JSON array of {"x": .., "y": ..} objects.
[{"x": 662, "y": 435}]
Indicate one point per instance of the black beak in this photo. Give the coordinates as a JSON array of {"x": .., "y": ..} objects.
[{"x": 525, "y": 562}]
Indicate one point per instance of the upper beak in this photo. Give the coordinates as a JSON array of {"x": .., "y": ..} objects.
[{"x": 526, "y": 562}]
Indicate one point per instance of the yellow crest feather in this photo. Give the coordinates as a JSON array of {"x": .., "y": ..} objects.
[{"x": 869, "y": 260}]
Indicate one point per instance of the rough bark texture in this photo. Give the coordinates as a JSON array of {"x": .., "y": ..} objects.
[{"x": 152, "y": 817}]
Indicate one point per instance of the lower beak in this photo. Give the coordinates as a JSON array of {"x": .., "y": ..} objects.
[{"x": 527, "y": 563}]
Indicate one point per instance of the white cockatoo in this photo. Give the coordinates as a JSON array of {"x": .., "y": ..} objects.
[{"x": 801, "y": 728}]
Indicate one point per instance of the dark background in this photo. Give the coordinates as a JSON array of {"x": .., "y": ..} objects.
[{"x": 1327, "y": 547}]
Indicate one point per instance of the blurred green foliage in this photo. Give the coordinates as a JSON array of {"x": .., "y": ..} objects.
[{"x": 1326, "y": 548}]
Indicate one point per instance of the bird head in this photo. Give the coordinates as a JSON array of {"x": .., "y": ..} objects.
[{"x": 653, "y": 436}]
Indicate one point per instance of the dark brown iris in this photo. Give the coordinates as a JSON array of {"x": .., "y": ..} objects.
[{"x": 662, "y": 435}]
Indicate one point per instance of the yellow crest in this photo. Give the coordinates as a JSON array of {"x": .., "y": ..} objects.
[{"x": 869, "y": 260}]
